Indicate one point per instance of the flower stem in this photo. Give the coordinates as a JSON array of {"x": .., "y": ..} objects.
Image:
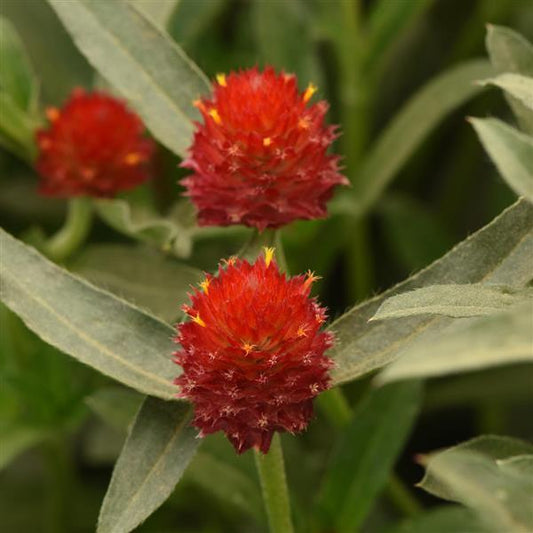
[
  {"x": 74, "y": 231},
  {"x": 274, "y": 487},
  {"x": 401, "y": 496}
]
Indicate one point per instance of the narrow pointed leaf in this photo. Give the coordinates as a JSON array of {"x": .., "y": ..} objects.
[
  {"x": 452, "y": 300},
  {"x": 467, "y": 344},
  {"x": 478, "y": 474},
  {"x": 158, "y": 449},
  {"x": 16, "y": 439},
  {"x": 141, "y": 61},
  {"x": 511, "y": 151},
  {"x": 91, "y": 325},
  {"x": 499, "y": 253},
  {"x": 518, "y": 86},
  {"x": 365, "y": 456},
  {"x": 158, "y": 11},
  {"x": 411, "y": 125},
  {"x": 511, "y": 52},
  {"x": 140, "y": 275}
]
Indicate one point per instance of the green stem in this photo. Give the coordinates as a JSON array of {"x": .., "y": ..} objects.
[
  {"x": 359, "y": 263},
  {"x": 401, "y": 496},
  {"x": 254, "y": 247},
  {"x": 335, "y": 407},
  {"x": 74, "y": 231},
  {"x": 274, "y": 487}
]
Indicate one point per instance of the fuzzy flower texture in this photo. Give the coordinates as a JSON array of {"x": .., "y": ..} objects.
[
  {"x": 252, "y": 352},
  {"x": 93, "y": 146},
  {"x": 260, "y": 157}
]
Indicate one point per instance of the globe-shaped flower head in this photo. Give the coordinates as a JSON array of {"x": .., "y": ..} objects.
[
  {"x": 252, "y": 353},
  {"x": 94, "y": 146},
  {"x": 260, "y": 157}
]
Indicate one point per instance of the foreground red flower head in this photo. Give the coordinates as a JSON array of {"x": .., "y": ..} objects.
[
  {"x": 259, "y": 158},
  {"x": 253, "y": 353},
  {"x": 93, "y": 146}
]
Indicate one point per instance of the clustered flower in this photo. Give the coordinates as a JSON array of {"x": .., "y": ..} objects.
[
  {"x": 93, "y": 146},
  {"x": 252, "y": 352},
  {"x": 260, "y": 157}
]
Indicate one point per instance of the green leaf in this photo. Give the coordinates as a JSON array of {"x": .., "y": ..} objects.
[
  {"x": 411, "y": 125},
  {"x": 445, "y": 519},
  {"x": 143, "y": 224},
  {"x": 17, "y": 77},
  {"x": 518, "y": 86},
  {"x": 479, "y": 475},
  {"x": 16, "y": 439},
  {"x": 366, "y": 454},
  {"x": 92, "y": 325},
  {"x": 158, "y": 449},
  {"x": 115, "y": 405},
  {"x": 467, "y": 344},
  {"x": 510, "y": 52},
  {"x": 452, "y": 300},
  {"x": 511, "y": 151},
  {"x": 158, "y": 11},
  {"x": 193, "y": 19},
  {"x": 17, "y": 126},
  {"x": 142, "y": 276},
  {"x": 141, "y": 61},
  {"x": 499, "y": 253}
]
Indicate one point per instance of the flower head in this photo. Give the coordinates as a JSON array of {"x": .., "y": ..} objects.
[
  {"x": 93, "y": 146},
  {"x": 252, "y": 352},
  {"x": 260, "y": 156}
]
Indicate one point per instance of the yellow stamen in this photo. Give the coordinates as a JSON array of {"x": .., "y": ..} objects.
[
  {"x": 205, "y": 285},
  {"x": 311, "y": 278},
  {"x": 230, "y": 261},
  {"x": 247, "y": 347},
  {"x": 311, "y": 89},
  {"x": 267, "y": 141},
  {"x": 132, "y": 158},
  {"x": 269, "y": 255},
  {"x": 221, "y": 80},
  {"x": 198, "y": 320},
  {"x": 304, "y": 123},
  {"x": 199, "y": 104},
  {"x": 52, "y": 114},
  {"x": 213, "y": 113},
  {"x": 301, "y": 332}
]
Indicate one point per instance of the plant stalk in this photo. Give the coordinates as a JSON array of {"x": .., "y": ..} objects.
[
  {"x": 271, "y": 471},
  {"x": 74, "y": 231}
]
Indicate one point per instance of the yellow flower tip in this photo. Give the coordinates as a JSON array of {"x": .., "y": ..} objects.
[
  {"x": 311, "y": 89},
  {"x": 132, "y": 159},
  {"x": 198, "y": 104},
  {"x": 198, "y": 320},
  {"x": 247, "y": 347},
  {"x": 213, "y": 113},
  {"x": 304, "y": 123},
  {"x": 230, "y": 261},
  {"x": 52, "y": 113},
  {"x": 301, "y": 332},
  {"x": 269, "y": 254},
  {"x": 267, "y": 141},
  {"x": 205, "y": 285},
  {"x": 221, "y": 80},
  {"x": 310, "y": 278}
]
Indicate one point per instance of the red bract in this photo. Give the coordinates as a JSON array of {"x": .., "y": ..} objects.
[
  {"x": 260, "y": 157},
  {"x": 253, "y": 353},
  {"x": 94, "y": 146}
]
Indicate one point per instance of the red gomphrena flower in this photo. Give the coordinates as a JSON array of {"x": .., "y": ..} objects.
[
  {"x": 253, "y": 352},
  {"x": 260, "y": 157},
  {"x": 93, "y": 146}
]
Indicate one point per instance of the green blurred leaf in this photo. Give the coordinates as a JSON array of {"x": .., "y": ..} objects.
[
  {"x": 284, "y": 38},
  {"x": 445, "y": 519},
  {"x": 17, "y": 127},
  {"x": 366, "y": 453},
  {"x": 452, "y": 300},
  {"x": 477, "y": 474},
  {"x": 92, "y": 325},
  {"x": 142, "y": 276},
  {"x": 16, "y": 439},
  {"x": 17, "y": 78},
  {"x": 411, "y": 125},
  {"x": 142, "y": 223},
  {"x": 510, "y": 52},
  {"x": 499, "y": 253},
  {"x": 511, "y": 151},
  {"x": 193, "y": 18},
  {"x": 518, "y": 86},
  {"x": 115, "y": 405},
  {"x": 158, "y": 449},
  {"x": 467, "y": 344},
  {"x": 158, "y": 11},
  {"x": 142, "y": 62}
]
